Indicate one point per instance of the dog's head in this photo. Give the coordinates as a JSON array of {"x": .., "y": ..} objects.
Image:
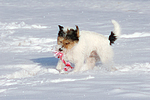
[{"x": 67, "y": 38}]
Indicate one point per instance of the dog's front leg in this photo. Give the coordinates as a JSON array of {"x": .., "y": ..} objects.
[
  {"x": 60, "y": 65},
  {"x": 78, "y": 65}
]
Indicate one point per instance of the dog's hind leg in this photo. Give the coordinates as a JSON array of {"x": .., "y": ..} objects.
[
  {"x": 106, "y": 57},
  {"x": 90, "y": 63}
]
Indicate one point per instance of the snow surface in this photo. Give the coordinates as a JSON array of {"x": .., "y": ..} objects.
[{"x": 28, "y": 31}]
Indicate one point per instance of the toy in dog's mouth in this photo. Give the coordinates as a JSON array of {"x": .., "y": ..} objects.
[{"x": 68, "y": 66}]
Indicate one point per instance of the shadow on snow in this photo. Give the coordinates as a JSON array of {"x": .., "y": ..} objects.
[{"x": 48, "y": 62}]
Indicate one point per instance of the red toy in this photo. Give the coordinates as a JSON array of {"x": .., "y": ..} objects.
[{"x": 67, "y": 64}]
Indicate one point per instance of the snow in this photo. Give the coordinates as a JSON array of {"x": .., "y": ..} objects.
[
  {"x": 135, "y": 35},
  {"x": 28, "y": 33}
]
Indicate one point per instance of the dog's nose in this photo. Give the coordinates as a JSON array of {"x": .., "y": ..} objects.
[{"x": 60, "y": 49}]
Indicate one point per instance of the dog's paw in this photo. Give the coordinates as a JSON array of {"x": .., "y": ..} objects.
[{"x": 59, "y": 68}]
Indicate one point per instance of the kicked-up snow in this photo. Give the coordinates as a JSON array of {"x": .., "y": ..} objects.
[{"x": 28, "y": 34}]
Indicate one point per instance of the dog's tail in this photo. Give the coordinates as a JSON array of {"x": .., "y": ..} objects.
[{"x": 116, "y": 33}]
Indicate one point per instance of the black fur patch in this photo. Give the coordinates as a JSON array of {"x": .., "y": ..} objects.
[
  {"x": 72, "y": 34},
  {"x": 112, "y": 38},
  {"x": 61, "y": 32}
]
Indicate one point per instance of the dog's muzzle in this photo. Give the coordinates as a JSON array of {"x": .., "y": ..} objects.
[{"x": 61, "y": 49}]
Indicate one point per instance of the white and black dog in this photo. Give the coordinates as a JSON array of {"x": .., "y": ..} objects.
[{"x": 85, "y": 48}]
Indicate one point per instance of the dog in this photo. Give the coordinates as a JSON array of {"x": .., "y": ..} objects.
[{"x": 85, "y": 48}]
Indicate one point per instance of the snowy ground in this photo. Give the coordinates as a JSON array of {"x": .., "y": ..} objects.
[{"x": 28, "y": 30}]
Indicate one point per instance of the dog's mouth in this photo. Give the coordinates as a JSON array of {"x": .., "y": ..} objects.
[{"x": 60, "y": 49}]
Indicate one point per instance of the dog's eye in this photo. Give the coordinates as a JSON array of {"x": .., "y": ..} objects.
[
  {"x": 60, "y": 41},
  {"x": 67, "y": 43}
]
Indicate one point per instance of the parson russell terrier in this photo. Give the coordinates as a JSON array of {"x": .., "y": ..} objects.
[{"x": 85, "y": 48}]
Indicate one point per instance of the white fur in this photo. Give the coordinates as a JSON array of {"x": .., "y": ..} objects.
[
  {"x": 90, "y": 42},
  {"x": 117, "y": 29}
]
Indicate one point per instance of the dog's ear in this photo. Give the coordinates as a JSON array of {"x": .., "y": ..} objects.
[
  {"x": 61, "y": 32},
  {"x": 60, "y": 27},
  {"x": 77, "y": 29},
  {"x": 73, "y": 34}
]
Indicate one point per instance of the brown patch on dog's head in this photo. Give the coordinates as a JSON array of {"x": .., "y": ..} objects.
[
  {"x": 68, "y": 44},
  {"x": 68, "y": 38},
  {"x": 60, "y": 40}
]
